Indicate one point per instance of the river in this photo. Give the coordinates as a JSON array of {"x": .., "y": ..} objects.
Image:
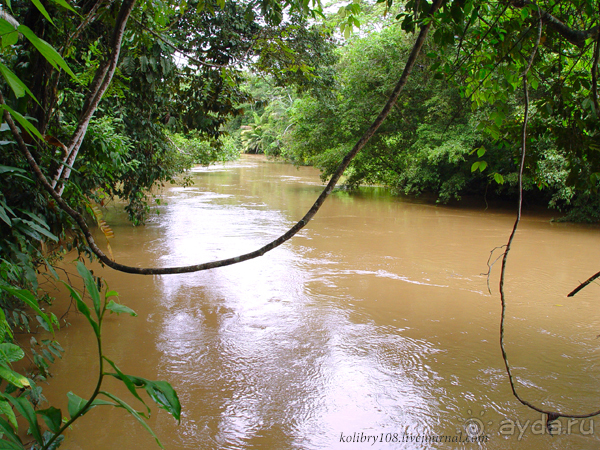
[{"x": 374, "y": 321}]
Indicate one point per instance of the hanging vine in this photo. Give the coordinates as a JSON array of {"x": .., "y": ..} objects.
[{"x": 551, "y": 416}]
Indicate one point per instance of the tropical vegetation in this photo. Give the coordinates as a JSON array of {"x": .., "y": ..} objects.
[
  {"x": 456, "y": 130},
  {"x": 105, "y": 100}
]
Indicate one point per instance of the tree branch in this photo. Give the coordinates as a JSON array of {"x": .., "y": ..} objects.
[
  {"x": 584, "y": 284},
  {"x": 101, "y": 81},
  {"x": 90, "y": 17},
  {"x": 550, "y": 415},
  {"x": 50, "y": 98},
  {"x": 595, "y": 77},
  {"x": 575, "y": 37},
  {"x": 10, "y": 19},
  {"x": 177, "y": 49}
]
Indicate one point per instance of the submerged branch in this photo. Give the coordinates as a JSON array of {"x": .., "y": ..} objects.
[{"x": 584, "y": 284}]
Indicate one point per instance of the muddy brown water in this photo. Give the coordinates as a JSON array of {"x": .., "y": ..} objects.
[{"x": 375, "y": 322}]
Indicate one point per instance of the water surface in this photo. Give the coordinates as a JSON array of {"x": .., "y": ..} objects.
[{"x": 375, "y": 319}]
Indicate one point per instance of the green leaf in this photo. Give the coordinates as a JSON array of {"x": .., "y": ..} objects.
[
  {"x": 111, "y": 294},
  {"x": 35, "y": 217},
  {"x": 52, "y": 417},
  {"x": 46, "y": 50},
  {"x": 3, "y": 214},
  {"x": 127, "y": 381},
  {"x": 14, "y": 378},
  {"x": 41, "y": 8},
  {"x": 100, "y": 402},
  {"x": 143, "y": 63},
  {"x": 475, "y": 166},
  {"x": 90, "y": 285},
  {"x": 7, "y": 445},
  {"x": 347, "y": 31},
  {"x": 10, "y": 352},
  {"x": 134, "y": 413},
  {"x": 8, "y": 431},
  {"x": 51, "y": 269},
  {"x": 162, "y": 393},
  {"x": 65, "y": 5},
  {"x": 83, "y": 308},
  {"x": 499, "y": 178},
  {"x": 10, "y": 169},
  {"x": 41, "y": 230},
  {"x": 117, "y": 308},
  {"x": 76, "y": 403},
  {"x": 54, "y": 320},
  {"x": 23, "y": 406},
  {"x": 534, "y": 83},
  {"x": 22, "y": 227},
  {"x": 26, "y": 124},
  {"x": 10, "y": 39},
  {"x": 14, "y": 171},
  {"x": 4, "y": 326},
  {"x": 48, "y": 355},
  {"x": 54, "y": 350},
  {"x": 48, "y": 435},
  {"x": 165, "y": 396},
  {"x": 6, "y": 27},
  {"x": 57, "y": 346},
  {"x": 29, "y": 299},
  {"x": 6, "y": 410},
  {"x": 480, "y": 152},
  {"x": 498, "y": 119}
]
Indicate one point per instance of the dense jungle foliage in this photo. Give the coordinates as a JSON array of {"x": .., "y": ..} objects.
[
  {"x": 456, "y": 129},
  {"x": 106, "y": 99}
]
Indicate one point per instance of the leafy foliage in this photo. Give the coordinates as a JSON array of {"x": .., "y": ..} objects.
[
  {"x": 159, "y": 391},
  {"x": 455, "y": 130}
]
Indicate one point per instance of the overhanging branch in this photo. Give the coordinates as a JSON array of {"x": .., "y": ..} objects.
[
  {"x": 551, "y": 416},
  {"x": 575, "y": 37}
]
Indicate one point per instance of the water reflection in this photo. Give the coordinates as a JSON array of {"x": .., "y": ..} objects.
[{"x": 275, "y": 362}]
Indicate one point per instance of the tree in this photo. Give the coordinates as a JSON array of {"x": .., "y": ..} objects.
[
  {"x": 425, "y": 144},
  {"x": 433, "y": 141}
]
